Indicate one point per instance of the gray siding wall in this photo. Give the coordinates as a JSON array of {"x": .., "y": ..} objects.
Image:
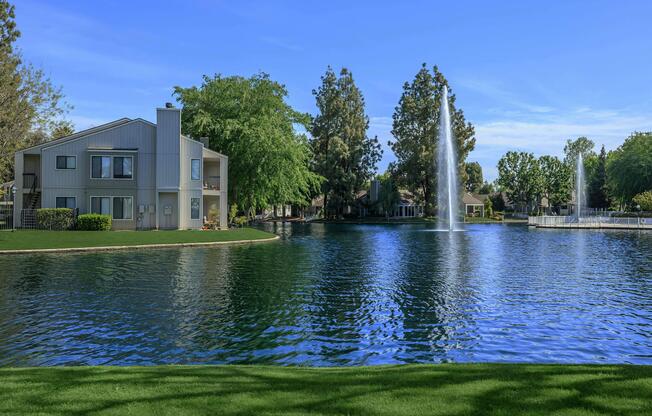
[
  {"x": 168, "y": 132},
  {"x": 190, "y": 149},
  {"x": 138, "y": 135}
]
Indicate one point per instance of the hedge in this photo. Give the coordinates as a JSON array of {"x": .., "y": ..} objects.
[
  {"x": 55, "y": 218},
  {"x": 94, "y": 222}
]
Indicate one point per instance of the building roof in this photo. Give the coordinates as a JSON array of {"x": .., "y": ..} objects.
[
  {"x": 81, "y": 133},
  {"x": 470, "y": 199}
]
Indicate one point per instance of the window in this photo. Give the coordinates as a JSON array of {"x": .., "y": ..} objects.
[
  {"x": 66, "y": 202},
  {"x": 195, "y": 169},
  {"x": 122, "y": 167},
  {"x": 66, "y": 162},
  {"x": 122, "y": 208},
  {"x": 101, "y": 205},
  {"x": 101, "y": 167},
  {"x": 194, "y": 208}
]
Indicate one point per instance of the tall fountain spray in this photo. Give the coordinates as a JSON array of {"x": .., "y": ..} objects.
[
  {"x": 580, "y": 187},
  {"x": 447, "y": 181}
]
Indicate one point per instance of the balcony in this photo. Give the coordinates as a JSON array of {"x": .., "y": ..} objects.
[
  {"x": 212, "y": 183},
  {"x": 30, "y": 181}
]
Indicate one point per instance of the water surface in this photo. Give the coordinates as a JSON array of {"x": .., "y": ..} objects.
[{"x": 339, "y": 295}]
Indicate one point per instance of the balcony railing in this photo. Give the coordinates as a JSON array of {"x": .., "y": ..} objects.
[
  {"x": 30, "y": 181},
  {"x": 212, "y": 183}
]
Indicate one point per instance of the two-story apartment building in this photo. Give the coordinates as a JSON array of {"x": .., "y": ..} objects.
[{"x": 144, "y": 175}]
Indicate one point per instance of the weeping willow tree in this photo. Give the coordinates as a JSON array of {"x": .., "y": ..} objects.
[{"x": 249, "y": 120}]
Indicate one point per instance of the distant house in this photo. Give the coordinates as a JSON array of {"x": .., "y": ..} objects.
[
  {"x": 474, "y": 204},
  {"x": 143, "y": 175},
  {"x": 407, "y": 206}
]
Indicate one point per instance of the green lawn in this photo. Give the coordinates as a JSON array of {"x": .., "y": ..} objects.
[
  {"x": 21, "y": 240},
  {"x": 446, "y": 389}
]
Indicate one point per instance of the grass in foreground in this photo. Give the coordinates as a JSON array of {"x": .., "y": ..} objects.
[
  {"x": 447, "y": 389},
  {"x": 24, "y": 240}
]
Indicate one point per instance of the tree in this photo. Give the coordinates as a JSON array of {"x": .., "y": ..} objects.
[
  {"x": 63, "y": 130},
  {"x": 487, "y": 188},
  {"x": 248, "y": 120},
  {"x": 343, "y": 153},
  {"x": 519, "y": 174},
  {"x": 415, "y": 131},
  {"x": 389, "y": 194},
  {"x": 473, "y": 177},
  {"x": 581, "y": 145},
  {"x": 555, "y": 180},
  {"x": 30, "y": 106},
  {"x": 643, "y": 201},
  {"x": 497, "y": 201},
  {"x": 488, "y": 208},
  {"x": 628, "y": 167},
  {"x": 598, "y": 192}
]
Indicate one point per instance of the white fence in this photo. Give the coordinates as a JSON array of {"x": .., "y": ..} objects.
[{"x": 589, "y": 222}]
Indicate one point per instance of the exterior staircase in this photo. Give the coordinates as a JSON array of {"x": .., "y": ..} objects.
[{"x": 28, "y": 214}]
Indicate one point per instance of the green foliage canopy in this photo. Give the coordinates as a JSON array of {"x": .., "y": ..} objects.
[
  {"x": 573, "y": 148},
  {"x": 474, "y": 179},
  {"x": 629, "y": 168},
  {"x": 415, "y": 131},
  {"x": 31, "y": 107},
  {"x": 555, "y": 180},
  {"x": 643, "y": 200},
  {"x": 519, "y": 174},
  {"x": 343, "y": 153},
  {"x": 248, "y": 120},
  {"x": 598, "y": 190}
]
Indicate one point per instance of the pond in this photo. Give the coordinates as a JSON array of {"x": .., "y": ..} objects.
[{"x": 339, "y": 295}]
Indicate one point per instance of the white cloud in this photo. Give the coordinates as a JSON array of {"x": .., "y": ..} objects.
[{"x": 548, "y": 135}]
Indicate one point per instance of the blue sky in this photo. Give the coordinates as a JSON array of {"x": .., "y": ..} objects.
[{"x": 527, "y": 74}]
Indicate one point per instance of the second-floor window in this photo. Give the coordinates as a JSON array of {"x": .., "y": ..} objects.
[
  {"x": 66, "y": 162},
  {"x": 122, "y": 167},
  {"x": 195, "y": 169},
  {"x": 101, "y": 167},
  {"x": 108, "y": 167}
]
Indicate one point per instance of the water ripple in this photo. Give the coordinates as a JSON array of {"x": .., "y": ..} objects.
[{"x": 339, "y": 295}]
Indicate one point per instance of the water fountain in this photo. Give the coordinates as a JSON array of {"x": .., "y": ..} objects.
[
  {"x": 447, "y": 180},
  {"x": 580, "y": 187}
]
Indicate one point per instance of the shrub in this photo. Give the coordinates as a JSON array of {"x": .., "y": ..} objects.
[
  {"x": 488, "y": 208},
  {"x": 94, "y": 222},
  {"x": 55, "y": 218},
  {"x": 241, "y": 221},
  {"x": 644, "y": 200}
]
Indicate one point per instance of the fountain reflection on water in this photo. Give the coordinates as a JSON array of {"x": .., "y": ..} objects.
[{"x": 447, "y": 177}]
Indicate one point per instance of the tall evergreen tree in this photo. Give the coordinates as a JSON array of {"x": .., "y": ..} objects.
[
  {"x": 415, "y": 131},
  {"x": 598, "y": 190},
  {"x": 343, "y": 153}
]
